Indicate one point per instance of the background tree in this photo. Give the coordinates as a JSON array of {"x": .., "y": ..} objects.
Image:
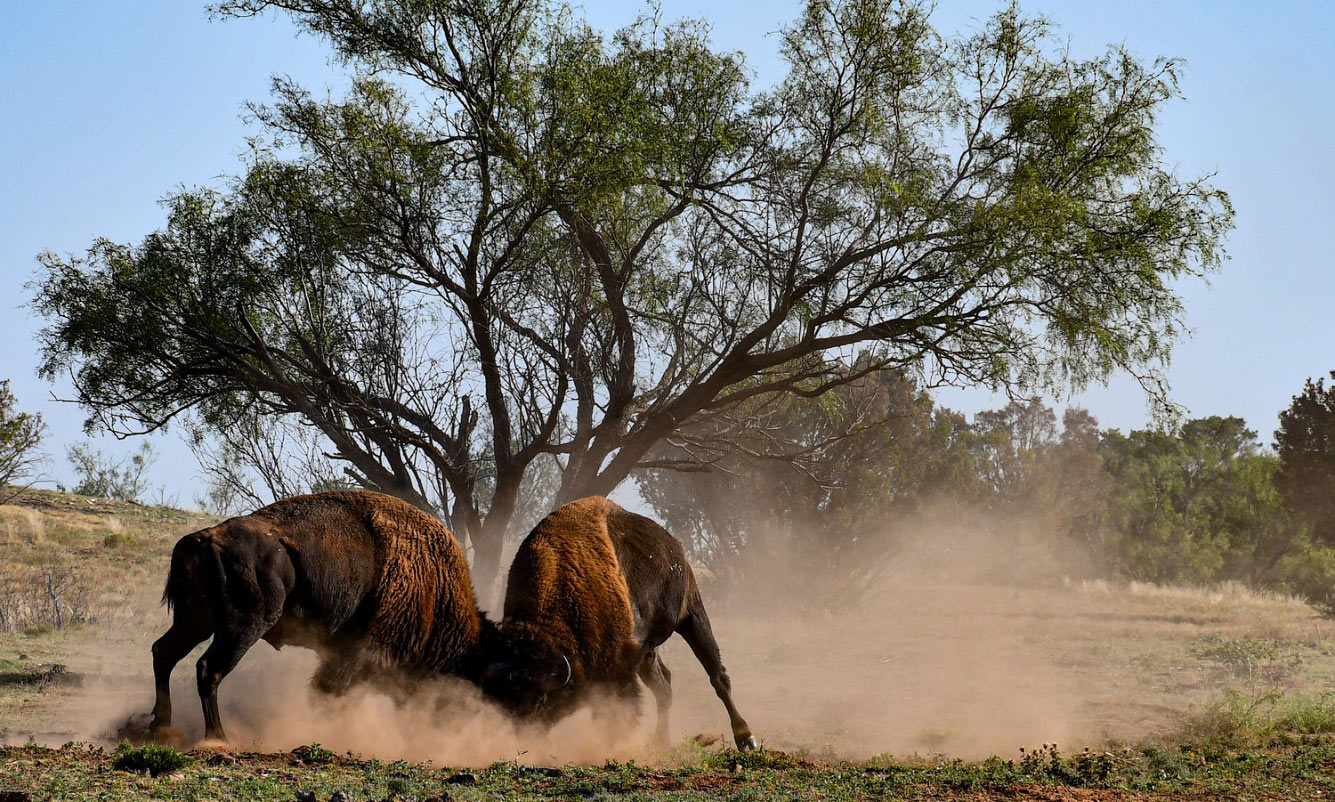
[
  {"x": 518, "y": 243},
  {"x": 1012, "y": 445},
  {"x": 20, "y": 438},
  {"x": 1305, "y": 444},
  {"x": 815, "y": 480},
  {"x": 1198, "y": 506},
  {"x": 102, "y": 476}
]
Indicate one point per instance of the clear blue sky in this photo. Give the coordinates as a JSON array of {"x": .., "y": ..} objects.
[{"x": 106, "y": 107}]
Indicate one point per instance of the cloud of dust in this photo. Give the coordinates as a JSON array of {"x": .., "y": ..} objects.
[
  {"x": 938, "y": 645},
  {"x": 267, "y": 704},
  {"x": 931, "y": 639}
]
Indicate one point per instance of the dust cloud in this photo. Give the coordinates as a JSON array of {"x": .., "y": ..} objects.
[
  {"x": 933, "y": 644},
  {"x": 954, "y": 638}
]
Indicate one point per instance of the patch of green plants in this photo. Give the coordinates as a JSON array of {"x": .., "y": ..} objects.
[
  {"x": 1308, "y": 714},
  {"x": 151, "y": 759},
  {"x": 761, "y": 758},
  {"x": 1250, "y": 659},
  {"x": 314, "y": 755},
  {"x": 1287, "y": 767},
  {"x": 116, "y": 540},
  {"x": 1044, "y": 766},
  {"x": 1237, "y": 713}
]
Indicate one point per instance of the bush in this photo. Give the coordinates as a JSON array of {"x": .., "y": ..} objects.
[
  {"x": 1311, "y": 575},
  {"x": 117, "y": 539},
  {"x": 101, "y": 476},
  {"x": 313, "y": 755},
  {"x": 20, "y": 435},
  {"x": 149, "y": 759},
  {"x": 43, "y": 598}
]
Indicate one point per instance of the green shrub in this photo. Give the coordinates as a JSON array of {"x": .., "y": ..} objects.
[
  {"x": 117, "y": 539},
  {"x": 1311, "y": 574},
  {"x": 761, "y": 758},
  {"x": 152, "y": 759},
  {"x": 1307, "y": 714},
  {"x": 313, "y": 755}
]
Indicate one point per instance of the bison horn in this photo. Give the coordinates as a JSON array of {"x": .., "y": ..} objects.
[{"x": 569, "y": 671}]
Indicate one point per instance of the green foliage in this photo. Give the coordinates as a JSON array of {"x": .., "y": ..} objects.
[
  {"x": 1247, "y": 658},
  {"x": 1197, "y": 506},
  {"x": 1244, "y": 713},
  {"x": 1311, "y": 574},
  {"x": 755, "y": 759},
  {"x": 1305, "y": 445},
  {"x": 151, "y": 759},
  {"x": 314, "y": 754},
  {"x": 822, "y": 469},
  {"x": 115, "y": 540}
]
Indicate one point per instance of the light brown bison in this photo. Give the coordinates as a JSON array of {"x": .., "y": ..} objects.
[
  {"x": 592, "y": 593},
  {"x": 369, "y": 581}
]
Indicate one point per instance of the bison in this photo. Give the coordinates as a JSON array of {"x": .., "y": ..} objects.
[
  {"x": 594, "y": 590},
  {"x": 369, "y": 581}
]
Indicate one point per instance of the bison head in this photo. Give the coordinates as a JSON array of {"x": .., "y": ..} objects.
[{"x": 524, "y": 672}]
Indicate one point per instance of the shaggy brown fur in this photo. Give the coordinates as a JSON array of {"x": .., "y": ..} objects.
[
  {"x": 369, "y": 581},
  {"x": 593, "y": 591}
]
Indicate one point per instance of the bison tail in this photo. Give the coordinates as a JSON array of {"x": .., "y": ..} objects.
[{"x": 196, "y": 568}]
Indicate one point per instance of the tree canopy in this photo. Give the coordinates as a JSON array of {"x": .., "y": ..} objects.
[
  {"x": 1305, "y": 444},
  {"x": 516, "y": 243}
]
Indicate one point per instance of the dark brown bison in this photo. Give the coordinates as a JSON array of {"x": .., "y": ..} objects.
[
  {"x": 592, "y": 593},
  {"x": 369, "y": 581}
]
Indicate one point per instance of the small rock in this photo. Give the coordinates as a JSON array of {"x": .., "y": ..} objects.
[
  {"x": 305, "y": 796},
  {"x": 442, "y": 797},
  {"x": 462, "y": 778},
  {"x": 339, "y": 796},
  {"x": 23, "y": 656}
]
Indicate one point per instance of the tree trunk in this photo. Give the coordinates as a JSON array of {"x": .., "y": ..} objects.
[{"x": 488, "y": 544}]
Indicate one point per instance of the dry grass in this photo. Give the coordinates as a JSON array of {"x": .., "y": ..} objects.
[
  {"x": 107, "y": 562},
  {"x": 21, "y": 526}
]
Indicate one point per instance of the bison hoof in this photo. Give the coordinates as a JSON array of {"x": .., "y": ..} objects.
[
  {"x": 747, "y": 743},
  {"x": 165, "y": 735},
  {"x": 212, "y": 744}
]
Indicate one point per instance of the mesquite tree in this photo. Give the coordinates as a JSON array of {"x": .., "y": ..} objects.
[
  {"x": 21, "y": 436},
  {"x": 516, "y": 242}
]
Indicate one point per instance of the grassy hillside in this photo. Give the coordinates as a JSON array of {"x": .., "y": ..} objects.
[{"x": 80, "y": 580}]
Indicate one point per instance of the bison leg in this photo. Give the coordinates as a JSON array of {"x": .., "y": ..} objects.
[
  {"x": 217, "y": 662},
  {"x": 187, "y": 631},
  {"x": 230, "y": 643},
  {"x": 696, "y": 631},
  {"x": 340, "y": 670},
  {"x": 655, "y": 674}
]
